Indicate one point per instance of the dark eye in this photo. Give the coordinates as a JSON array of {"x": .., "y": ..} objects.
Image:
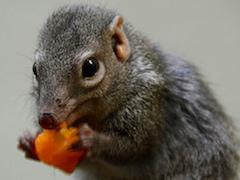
[
  {"x": 34, "y": 68},
  {"x": 90, "y": 67}
]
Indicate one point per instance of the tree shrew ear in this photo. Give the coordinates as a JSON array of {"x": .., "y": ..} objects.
[{"x": 121, "y": 45}]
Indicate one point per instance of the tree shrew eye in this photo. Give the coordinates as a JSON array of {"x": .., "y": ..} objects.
[
  {"x": 34, "y": 68},
  {"x": 90, "y": 67}
]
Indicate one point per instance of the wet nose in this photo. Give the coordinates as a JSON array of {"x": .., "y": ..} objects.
[{"x": 47, "y": 121}]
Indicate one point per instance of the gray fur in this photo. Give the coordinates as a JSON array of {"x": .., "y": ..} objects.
[{"x": 163, "y": 121}]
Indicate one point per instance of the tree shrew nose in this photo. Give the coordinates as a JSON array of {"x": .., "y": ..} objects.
[{"x": 47, "y": 121}]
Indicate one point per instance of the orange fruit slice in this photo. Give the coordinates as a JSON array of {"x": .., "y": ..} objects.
[{"x": 53, "y": 147}]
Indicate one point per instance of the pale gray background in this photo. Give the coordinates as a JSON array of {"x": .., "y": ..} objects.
[{"x": 206, "y": 32}]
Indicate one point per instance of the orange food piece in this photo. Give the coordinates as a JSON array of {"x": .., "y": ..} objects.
[{"x": 53, "y": 147}]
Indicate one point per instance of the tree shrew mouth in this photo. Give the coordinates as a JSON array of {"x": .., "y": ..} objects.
[{"x": 76, "y": 116}]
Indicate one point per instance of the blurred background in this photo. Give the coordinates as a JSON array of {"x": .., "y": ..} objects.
[{"x": 206, "y": 33}]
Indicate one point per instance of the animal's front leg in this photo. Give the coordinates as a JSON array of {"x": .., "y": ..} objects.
[
  {"x": 91, "y": 140},
  {"x": 27, "y": 145}
]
